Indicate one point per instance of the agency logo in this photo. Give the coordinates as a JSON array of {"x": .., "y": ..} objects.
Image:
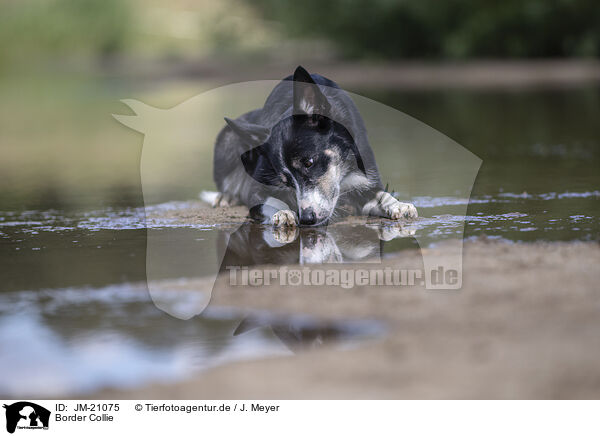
[{"x": 26, "y": 415}]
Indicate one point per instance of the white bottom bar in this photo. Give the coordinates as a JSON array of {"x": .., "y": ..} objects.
[{"x": 315, "y": 417}]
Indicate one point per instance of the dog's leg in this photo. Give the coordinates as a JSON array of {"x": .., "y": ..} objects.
[
  {"x": 225, "y": 199},
  {"x": 385, "y": 205},
  {"x": 274, "y": 212}
]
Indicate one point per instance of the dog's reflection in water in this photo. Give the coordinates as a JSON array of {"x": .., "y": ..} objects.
[
  {"x": 301, "y": 336},
  {"x": 254, "y": 244}
]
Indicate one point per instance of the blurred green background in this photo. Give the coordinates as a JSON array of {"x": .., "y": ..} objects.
[
  {"x": 446, "y": 29},
  {"x": 65, "y": 64}
]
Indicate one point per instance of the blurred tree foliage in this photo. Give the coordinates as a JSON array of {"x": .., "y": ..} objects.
[
  {"x": 444, "y": 28},
  {"x": 32, "y": 30}
]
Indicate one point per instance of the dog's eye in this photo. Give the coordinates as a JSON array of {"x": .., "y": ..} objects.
[{"x": 309, "y": 162}]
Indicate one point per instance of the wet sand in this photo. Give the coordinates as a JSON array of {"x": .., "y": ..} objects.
[{"x": 525, "y": 324}]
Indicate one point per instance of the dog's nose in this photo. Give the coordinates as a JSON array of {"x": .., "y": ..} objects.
[{"x": 308, "y": 216}]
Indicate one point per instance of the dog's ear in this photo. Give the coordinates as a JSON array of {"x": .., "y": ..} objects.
[
  {"x": 248, "y": 324},
  {"x": 251, "y": 134},
  {"x": 308, "y": 98},
  {"x": 258, "y": 166}
]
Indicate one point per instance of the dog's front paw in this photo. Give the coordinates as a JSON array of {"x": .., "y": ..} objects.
[
  {"x": 402, "y": 210},
  {"x": 394, "y": 231},
  {"x": 286, "y": 234},
  {"x": 224, "y": 199},
  {"x": 283, "y": 218}
]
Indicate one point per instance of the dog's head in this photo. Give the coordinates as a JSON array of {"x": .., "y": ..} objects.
[{"x": 308, "y": 153}]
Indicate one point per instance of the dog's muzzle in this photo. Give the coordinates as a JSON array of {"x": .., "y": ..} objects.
[{"x": 308, "y": 217}]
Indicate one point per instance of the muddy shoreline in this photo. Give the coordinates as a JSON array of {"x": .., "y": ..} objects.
[{"x": 524, "y": 325}]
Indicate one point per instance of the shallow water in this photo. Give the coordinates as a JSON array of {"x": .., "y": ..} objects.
[
  {"x": 69, "y": 275},
  {"x": 102, "y": 247},
  {"x": 78, "y": 340}
]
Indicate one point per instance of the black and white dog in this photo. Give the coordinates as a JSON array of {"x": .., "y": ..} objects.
[{"x": 307, "y": 154}]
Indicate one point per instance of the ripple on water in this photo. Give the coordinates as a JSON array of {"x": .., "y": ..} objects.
[{"x": 442, "y": 217}]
